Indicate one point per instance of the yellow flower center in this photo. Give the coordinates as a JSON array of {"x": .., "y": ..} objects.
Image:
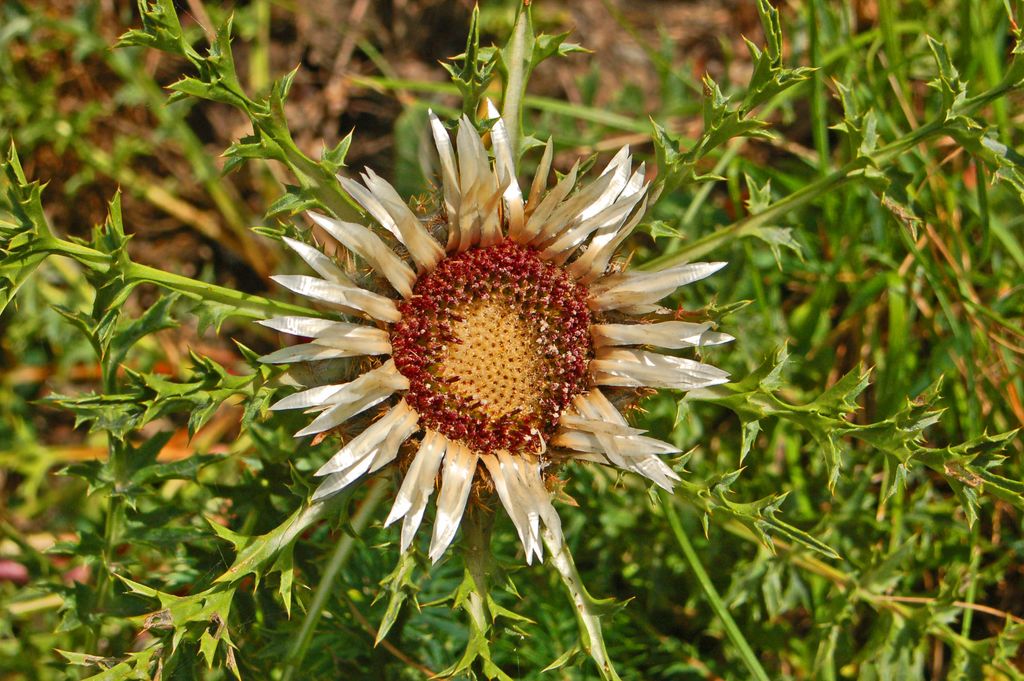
[{"x": 498, "y": 362}]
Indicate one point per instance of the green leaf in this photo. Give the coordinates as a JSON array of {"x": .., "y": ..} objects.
[
  {"x": 295, "y": 200},
  {"x": 952, "y": 90},
  {"x": 285, "y": 564},
  {"x": 192, "y": 87},
  {"x": 209, "y": 609},
  {"x": 474, "y": 68},
  {"x": 238, "y": 541},
  {"x": 760, "y": 199},
  {"x": 778, "y": 238},
  {"x": 82, "y": 659},
  {"x": 135, "y": 666},
  {"x": 399, "y": 586},
  {"x": 660, "y": 228},
  {"x": 333, "y": 158},
  {"x": 548, "y": 46},
  {"x": 824, "y": 418},
  {"x": 750, "y": 431},
  {"x": 257, "y": 552},
  {"x": 156, "y": 318},
  {"x": 21, "y": 200},
  {"x": 769, "y": 77},
  {"x": 22, "y": 227},
  {"x": 256, "y": 146},
  {"x": 569, "y": 657},
  {"x": 161, "y": 29},
  {"x": 78, "y": 608}
]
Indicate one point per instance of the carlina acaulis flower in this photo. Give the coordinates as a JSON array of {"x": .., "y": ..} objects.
[{"x": 502, "y": 341}]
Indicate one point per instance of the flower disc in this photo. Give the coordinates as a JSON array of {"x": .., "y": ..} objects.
[
  {"x": 495, "y": 344},
  {"x": 502, "y": 342}
]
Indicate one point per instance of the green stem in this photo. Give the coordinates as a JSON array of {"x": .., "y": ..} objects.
[
  {"x": 887, "y": 19},
  {"x": 752, "y": 223},
  {"x": 589, "y": 114},
  {"x": 116, "y": 453},
  {"x": 111, "y": 525},
  {"x": 819, "y": 107},
  {"x": 477, "y": 526},
  {"x": 342, "y": 552},
  {"x": 731, "y": 630},
  {"x": 244, "y": 304},
  {"x": 515, "y": 86},
  {"x": 972, "y": 580},
  {"x": 259, "y": 58},
  {"x": 587, "y": 609}
]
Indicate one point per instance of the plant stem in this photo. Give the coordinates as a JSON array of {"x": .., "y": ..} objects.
[
  {"x": 586, "y": 608},
  {"x": 116, "y": 453},
  {"x": 244, "y": 304},
  {"x": 342, "y": 552},
  {"x": 752, "y": 223},
  {"x": 819, "y": 117},
  {"x": 576, "y": 111},
  {"x": 259, "y": 59},
  {"x": 477, "y": 526},
  {"x": 972, "y": 580},
  {"x": 731, "y": 630},
  {"x": 515, "y": 86}
]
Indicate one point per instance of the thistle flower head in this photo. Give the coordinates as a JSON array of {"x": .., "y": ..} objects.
[{"x": 502, "y": 342}]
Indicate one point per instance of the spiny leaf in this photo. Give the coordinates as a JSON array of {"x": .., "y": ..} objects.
[
  {"x": 952, "y": 90},
  {"x": 21, "y": 200},
  {"x": 260, "y": 551},
  {"x": 333, "y": 158},
  {"x": 294, "y": 201},
  {"x": 161, "y": 29},
  {"x": 400, "y": 586},
  {"x": 285, "y": 565},
  {"x": 778, "y": 238},
  {"x": 156, "y": 318},
  {"x": 478, "y": 647},
  {"x": 210, "y": 609},
  {"x": 569, "y": 657},
  {"x": 861, "y": 127},
  {"x": 474, "y": 74},
  {"x": 22, "y": 226}
]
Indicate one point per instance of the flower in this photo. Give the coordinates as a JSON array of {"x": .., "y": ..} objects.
[{"x": 502, "y": 342}]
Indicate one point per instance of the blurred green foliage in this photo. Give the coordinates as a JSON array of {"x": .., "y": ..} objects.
[{"x": 854, "y": 497}]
